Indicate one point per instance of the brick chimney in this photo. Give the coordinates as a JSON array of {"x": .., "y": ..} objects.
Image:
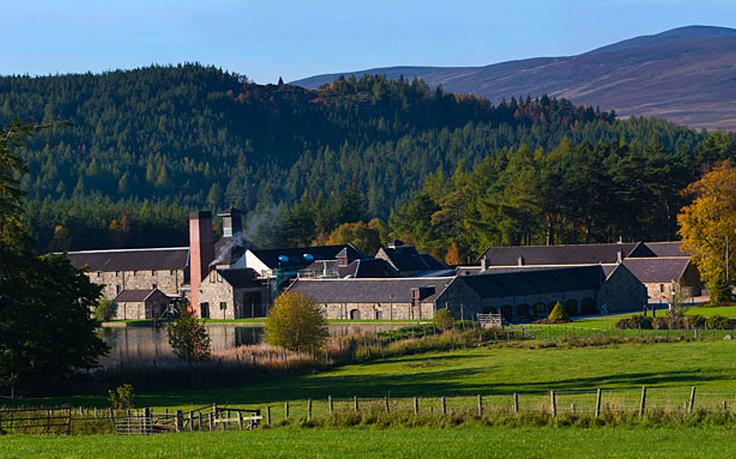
[{"x": 201, "y": 252}]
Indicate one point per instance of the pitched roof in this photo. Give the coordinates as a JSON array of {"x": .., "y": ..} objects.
[
  {"x": 535, "y": 281},
  {"x": 408, "y": 259},
  {"x": 658, "y": 269},
  {"x": 564, "y": 254},
  {"x": 131, "y": 259},
  {"x": 240, "y": 278},
  {"x": 270, "y": 257},
  {"x": 135, "y": 296},
  {"x": 388, "y": 290},
  {"x": 667, "y": 249}
]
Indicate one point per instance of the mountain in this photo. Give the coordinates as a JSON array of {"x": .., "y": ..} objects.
[{"x": 685, "y": 75}]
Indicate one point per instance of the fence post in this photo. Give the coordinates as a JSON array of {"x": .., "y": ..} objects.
[
  {"x": 553, "y": 403},
  {"x": 572, "y": 408},
  {"x": 240, "y": 420},
  {"x": 691, "y": 405},
  {"x": 268, "y": 415},
  {"x": 179, "y": 422},
  {"x": 643, "y": 403},
  {"x": 286, "y": 410},
  {"x": 355, "y": 404},
  {"x": 330, "y": 405},
  {"x": 443, "y": 405},
  {"x": 416, "y": 406},
  {"x": 725, "y": 405},
  {"x": 516, "y": 402},
  {"x": 480, "y": 405},
  {"x": 387, "y": 402},
  {"x": 598, "y": 399},
  {"x": 309, "y": 409},
  {"x": 191, "y": 421},
  {"x": 199, "y": 417},
  {"x": 210, "y": 421}
]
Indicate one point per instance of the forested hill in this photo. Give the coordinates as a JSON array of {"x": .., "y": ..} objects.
[{"x": 145, "y": 146}]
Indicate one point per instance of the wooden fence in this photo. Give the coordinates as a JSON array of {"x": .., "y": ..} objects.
[{"x": 594, "y": 403}]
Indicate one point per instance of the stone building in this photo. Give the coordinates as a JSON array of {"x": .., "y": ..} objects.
[
  {"x": 563, "y": 254},
  {"x": 135, "y": 269},
  {"x": 666, "y": 277},
  {"x": 406, "y": 260},
  {"x": 141, "y": 304},
  {"x": 232, "y": 294},
  {"x": 375, "y": 299}
]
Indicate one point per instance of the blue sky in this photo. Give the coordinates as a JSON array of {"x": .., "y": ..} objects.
[{"x": 294, "y": 39}]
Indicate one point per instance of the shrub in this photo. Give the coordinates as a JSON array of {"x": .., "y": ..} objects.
[
  {"x": 105, "y": 310},
  {"x": 558, "y": 315},
  {"x": 720, "y": 323},
  {"x": 443, "y": 319},
  {"x": 635, "y": 322},
  {"x": 121, "y": 398},
  {"x": 296, "y": 323},
  {"x": 188, "y": 337}
]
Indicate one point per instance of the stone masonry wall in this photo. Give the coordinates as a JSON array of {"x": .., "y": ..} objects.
[{"x": 114, "y": 282}]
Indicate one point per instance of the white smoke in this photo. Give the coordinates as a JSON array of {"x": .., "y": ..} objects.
[{"x": 238, "y": 240}]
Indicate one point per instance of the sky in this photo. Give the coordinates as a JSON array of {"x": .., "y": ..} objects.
[{"x": 268, "y": 39}]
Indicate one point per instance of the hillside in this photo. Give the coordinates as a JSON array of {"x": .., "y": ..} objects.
[
  {"x": 685, "y": 75},
  {"x": 143, "y": 147}
]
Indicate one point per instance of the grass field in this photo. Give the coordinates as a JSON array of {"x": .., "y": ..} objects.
[
  {"x": 669, "y": 369},
  {"x": 635, "y": 442}
]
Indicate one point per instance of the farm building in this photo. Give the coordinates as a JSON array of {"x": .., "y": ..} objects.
[
  {"x": 141, "y": 304},
  {"x": 232, "y": 294},
  {"x": 520, "y": 295},
  {"x": 665, "y": 276},
  {"x": 135, "y": 269},
  {"x": 406, "y": 260},
  {"x": 564, "y": 254}
]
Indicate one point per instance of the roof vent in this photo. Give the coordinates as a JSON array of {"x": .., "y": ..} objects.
[{"x": 395, "y": 243}]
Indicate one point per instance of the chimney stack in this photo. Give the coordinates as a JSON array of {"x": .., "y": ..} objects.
[
  {"x": 201, "y": 252},
  {"x": 231, "y": 222},
  {"x": 619, "y": 256}
]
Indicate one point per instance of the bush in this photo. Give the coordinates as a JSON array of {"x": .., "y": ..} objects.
[
  {"x": 558, "y": 315},
  {"x": 296, "y": 323},
  {"x": 636, "y": 322},
  {"x": 121, "y": 398},
  {"x": 443, "y": 319},
  {"x": 720, "y": 323},
  {"x": 106, "y": 310}
]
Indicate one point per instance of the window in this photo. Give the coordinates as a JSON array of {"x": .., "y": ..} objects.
[
  {"x": 99, "y": 274},
  {"x": 153, "y": 273},
  {"x": 117, "y": 273},
  {"x": 661, "y": 288},
  {"x": 204, "y": 310},
  {"x": 171, "y": 272},
  {"x": 117, "y": 289},
  {"x": 223, "y": 305},
  {"x": 379, "y": 314},
  {"x": 154, "y": 286},
  {"x": 134, "y": 272}
]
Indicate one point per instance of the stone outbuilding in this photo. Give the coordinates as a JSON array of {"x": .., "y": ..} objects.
[
  {"x": 141, "y": 304},
  {"x": 667, "y": 276},
  {"x": 233, "y": 294}
]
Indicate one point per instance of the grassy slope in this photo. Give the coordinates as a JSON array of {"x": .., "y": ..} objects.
[
  {"x": 496, "y": 371},
  {"x": 465, "y": 442}
]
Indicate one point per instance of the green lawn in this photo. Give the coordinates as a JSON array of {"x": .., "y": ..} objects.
[
  {"x": 496, "y": 372},
  {"x": 636, "y": 442}
]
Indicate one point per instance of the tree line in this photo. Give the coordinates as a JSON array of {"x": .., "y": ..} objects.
[{"x": 141, "y": 148}]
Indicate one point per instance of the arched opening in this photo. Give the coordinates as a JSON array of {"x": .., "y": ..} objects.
[
  {"x": 571, "y": 307},
  {"x": 354, "y": 314},
  {"x": 588, "y": 306},
  {"x": 522, "y": 311},
  {"x": 507, "y": 312}
]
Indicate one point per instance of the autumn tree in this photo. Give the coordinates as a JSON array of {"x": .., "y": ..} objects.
[
  {"x": 296, "y": 323},
  {"x": 361, "y": 235},
  {"x": 189, "y": 339},
  {"x": 452, "y": 257},
  {"x": 708, "y": 229}
]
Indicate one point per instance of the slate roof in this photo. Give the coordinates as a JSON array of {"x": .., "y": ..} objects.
[
  {"x": 131, "y": 259},
  {"x": 408, "y": 259},
  {"x": 134, "y": 296},
  {"x": 569, "y": 254},
  {"x": 658, "y": 270},
  {"x": 667, "y": 249},
  {"x": 524, "y": 282},
  {"x": 270, "y": 257},
  {"x": 389, "y": 290},
  {"x": 240, "y": 278}
]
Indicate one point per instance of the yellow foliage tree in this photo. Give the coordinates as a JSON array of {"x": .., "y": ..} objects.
[
  {"x": 452, "y": 257},
  {"x": 295, "y": 322},
  {"x": 364, "y": 237},
  {"x": 708, "y": 228}
]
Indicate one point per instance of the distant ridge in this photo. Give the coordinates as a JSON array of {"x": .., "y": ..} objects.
[{"x": 685, "y": 75}]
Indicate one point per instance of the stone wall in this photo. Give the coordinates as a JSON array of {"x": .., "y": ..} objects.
[
  {"x": 114, "y": 282},
  {"x": 622, "y": 292},
  {"x": 131, "y": 311},
  {"x": 216, "y": 293},
  {"x": 378, "y": 311}
]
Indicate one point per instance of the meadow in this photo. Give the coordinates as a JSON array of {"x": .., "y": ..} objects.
[{"x": 637, "y": 442}]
